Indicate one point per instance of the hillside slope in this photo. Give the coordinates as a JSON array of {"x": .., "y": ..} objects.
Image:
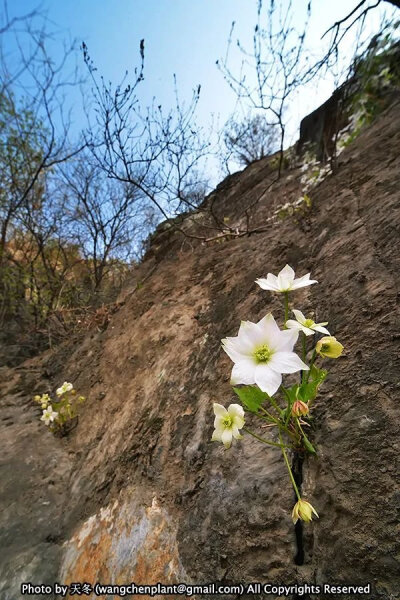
[{"x": 137, "y": 492}]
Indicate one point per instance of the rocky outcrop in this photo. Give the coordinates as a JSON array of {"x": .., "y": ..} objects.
[
  {"x": 137, "y": 492},
  {"x": 319, "y": 128}
]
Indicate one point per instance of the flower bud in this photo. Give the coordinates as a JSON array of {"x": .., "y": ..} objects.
[
  {"x": 329, "y": 347},
  {"x": 300, "y": 409},
  {"x": 303, "y": 510}
]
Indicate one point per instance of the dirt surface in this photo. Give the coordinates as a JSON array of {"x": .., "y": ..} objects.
[{"x": 143, "y": 437}]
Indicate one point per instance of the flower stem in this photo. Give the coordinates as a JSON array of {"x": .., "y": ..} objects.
[
  {"x": 274, "y": 404},
  {"x": 300, "y": 427},
  {"x": 268, "y": 414},
  {"x": 289, "y": 469},
  {"x": 269, "y": 442},
  {"x": 281, "y": 425},
  {"x": 304, "y": 341},
  {"x": 313, "y": 357},
  {"x": 286, "y": 296}
]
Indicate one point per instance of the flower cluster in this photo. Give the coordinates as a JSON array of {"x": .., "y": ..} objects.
[
  {"x": 263, "y": 354},
  {"x": 56, "y": 413}
]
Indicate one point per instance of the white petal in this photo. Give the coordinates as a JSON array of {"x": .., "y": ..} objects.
[
  {"x": 253, "y": 333},
  {"x": 321, "y": 329},
  {"x": 270, "y": 330},
  {"x": 291, "y": 324},
  {"x": 235, "y": 410},
  {"x": 236, "y": 434},
  {"x": 238, "y": 422},
  {"x": 307, "y": 330},
  {"x": 219, "y": 410},
  {"x": 267, "y": 379},
  {"x": 216, "y": 436},
  {"x": 232, "y": 351},
  {"x": 249, "y": 335},
  {"x": 286, "y": 340},
  {"x": 303, "y": 281},
  {"x": 286, "y": 278},
  {"x": 267, "y": 284},
  {"x": 273, "y": 281},
  {"x": 219, "y": 422},
  {"x": 296, "y": 325},
  {"x": 299, "y": 316},
  {"x": 287, "y": 273},
  {"x": 243, "y": 372},
  {"x": 286, "y": 362},
  {"x": 226, "y": 438},
  {"x": 241, "y": 343}
]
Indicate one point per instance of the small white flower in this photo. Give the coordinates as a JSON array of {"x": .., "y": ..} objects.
[
  {"x": 261, "y": 353},
  {"x": 285, "y": 281},
  {"x": 227, "y": 423},
  {"x": 307, "y": 326},
  {"x": 66, "y": 387},
  {"x": 49, "y": 415}
]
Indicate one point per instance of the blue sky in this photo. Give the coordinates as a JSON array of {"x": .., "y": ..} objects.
[{"x": 185, "y": 37}]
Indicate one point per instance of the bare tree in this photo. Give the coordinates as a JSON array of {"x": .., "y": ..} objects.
[
  {"x": 272, "y": 69},
  {"x": 339, "y": 30},
  {"x": 248, "y": 140},
  {"x": 108, "y": 218},
  {"x": 156, "y": 152},
  {"x": 34, "y": 127}
]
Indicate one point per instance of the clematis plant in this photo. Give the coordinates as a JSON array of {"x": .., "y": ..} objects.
[
  {"x": 56, "y": 413},
  {"x": 262, "y": 354}
]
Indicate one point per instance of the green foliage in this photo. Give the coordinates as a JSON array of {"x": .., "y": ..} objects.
[
  {"x": 308, "y": 390},
  {"x": 295, "y": 209},
  {"x": 58, "y": 413},
  {"x": 307, "y": 444},
  {"x": 251, "y": 397},
  {"x": 377, "y": 73}
]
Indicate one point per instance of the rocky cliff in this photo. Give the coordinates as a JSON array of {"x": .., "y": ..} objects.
[{"x": 137, "y": 492}]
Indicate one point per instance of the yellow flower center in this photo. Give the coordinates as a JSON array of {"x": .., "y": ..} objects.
[
  {"x": 227, "y": 421},
  {"x": 308, "y": 323},
  {"x": 325, "y": 347},
  {"x": 262, "y": 354}
]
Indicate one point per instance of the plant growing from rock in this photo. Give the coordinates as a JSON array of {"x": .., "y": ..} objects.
[
  {"x": 57, "y": 413},
  {"x": 262, "y": 353},
  {"x": 377, "y": 75}
]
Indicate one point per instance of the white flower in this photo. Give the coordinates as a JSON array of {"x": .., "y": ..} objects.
[
  {"x": 227, "y": 423},
  {"x": 66, "y": 387},
  {"x": 285, "y": 282},
  {"x": 48, "y": 415},
  {"x": 307, "y": 326},
  {"x": 261, "y": 352}
]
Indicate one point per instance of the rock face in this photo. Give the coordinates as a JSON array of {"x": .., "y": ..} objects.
[
  {"x": 319, "y": 128},
  {"x": 137, "y": 492}
]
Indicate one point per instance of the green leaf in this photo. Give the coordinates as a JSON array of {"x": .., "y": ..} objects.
[
  {"x": 251, "y": 397},
  {"x": 290, "y": 396},
  {"x": 309, "y": 390},
  {"x": 308, "y": 445},
  {"x": 292, "y": 393}
]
